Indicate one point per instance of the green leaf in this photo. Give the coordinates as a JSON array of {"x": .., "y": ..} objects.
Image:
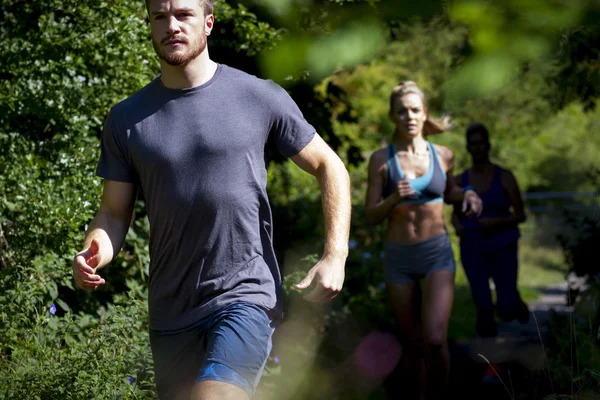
[
  {"x": 52, "y": 289},
  {"x": 63, "y": 305}
]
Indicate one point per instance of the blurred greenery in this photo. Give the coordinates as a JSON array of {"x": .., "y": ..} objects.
[{"x": 527, "y": 69}]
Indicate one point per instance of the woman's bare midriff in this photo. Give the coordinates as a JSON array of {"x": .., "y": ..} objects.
[{"x": 413, "y": 223}]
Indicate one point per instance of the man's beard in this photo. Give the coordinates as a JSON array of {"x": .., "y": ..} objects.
[{"x": 180, "y": 58}]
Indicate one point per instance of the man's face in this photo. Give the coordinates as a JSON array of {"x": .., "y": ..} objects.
[{"x": 179, "y": 29}]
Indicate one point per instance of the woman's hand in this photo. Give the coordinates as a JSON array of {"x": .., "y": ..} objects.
[
  {"x": 472, "y": 204},
  {"x": 404, "y": 190}
]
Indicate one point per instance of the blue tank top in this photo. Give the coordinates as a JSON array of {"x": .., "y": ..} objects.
[
  {"x": 495, "y": 204},
  {"x": 428, "y": 188}
]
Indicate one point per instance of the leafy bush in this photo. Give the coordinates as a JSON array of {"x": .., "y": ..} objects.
[
  {"x": 77, "y": 356},
  {"x": 579, "y": 239}
]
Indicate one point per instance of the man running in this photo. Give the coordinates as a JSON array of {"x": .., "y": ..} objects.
[{"x": 194, "y": 142}]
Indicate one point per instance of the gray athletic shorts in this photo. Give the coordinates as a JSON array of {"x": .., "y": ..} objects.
[{"x": 408, "y": 263}]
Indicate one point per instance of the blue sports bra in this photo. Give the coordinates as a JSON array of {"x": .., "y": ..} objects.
[{"x": 428, "y": 188}]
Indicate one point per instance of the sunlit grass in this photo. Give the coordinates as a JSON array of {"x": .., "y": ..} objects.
[{"x": 540, "y": 265}]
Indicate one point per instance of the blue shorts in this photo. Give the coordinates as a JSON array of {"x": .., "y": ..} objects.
[
  {"x": 231, "y": 345},
  {"x": 408, "y": 263}
]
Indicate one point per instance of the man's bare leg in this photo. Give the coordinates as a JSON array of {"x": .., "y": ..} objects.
[{"x": 216, "y": 390}]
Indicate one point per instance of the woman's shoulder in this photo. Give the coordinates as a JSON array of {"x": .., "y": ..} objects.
[
  {"x": 378, "y": 161},
  {"x": 507, "y": 176},
  {"x": 444, "y": 152},
  {"x": 379, "y": 156}
]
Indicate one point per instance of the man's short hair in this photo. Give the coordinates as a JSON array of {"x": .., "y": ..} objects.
[{"x": 207, "y": 6}]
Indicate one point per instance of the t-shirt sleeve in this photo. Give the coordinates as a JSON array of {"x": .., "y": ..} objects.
[
  {"x": 290, "y": 132},
  {"x": 114, "y": 157}
]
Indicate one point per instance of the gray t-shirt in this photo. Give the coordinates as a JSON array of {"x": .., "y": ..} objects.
[{"x": 199, "y": 157}]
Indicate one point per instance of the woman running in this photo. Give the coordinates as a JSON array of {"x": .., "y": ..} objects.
[
  {"x": 489, "y": 244},
  {"x": 407, "y": 186}
]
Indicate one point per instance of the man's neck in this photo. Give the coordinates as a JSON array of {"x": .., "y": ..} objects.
[{"x": 197, "y": 72}]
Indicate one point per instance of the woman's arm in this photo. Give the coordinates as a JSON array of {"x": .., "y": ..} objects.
[
  {"x": 456, "y": 222},
  {"x": 376, "y": 209},
  {"x": 454, "y": 194}
]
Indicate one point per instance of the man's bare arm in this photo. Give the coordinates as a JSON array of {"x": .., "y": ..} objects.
[
  {"x": 105, "y": 234},
  {"x": 318, "y": 159}
]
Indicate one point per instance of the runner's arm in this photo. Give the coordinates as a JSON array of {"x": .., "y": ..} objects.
[
  {"x": 319, "y": 160},
  {"x": 105, "y": 234}
]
